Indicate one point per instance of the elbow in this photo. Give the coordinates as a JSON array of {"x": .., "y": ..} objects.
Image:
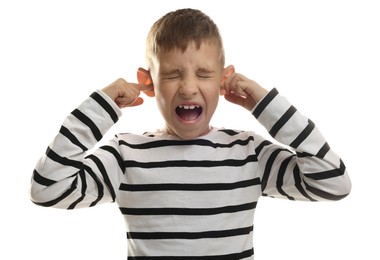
[
  {"x": 37, "y": 195},
  {"x": 36, "y": 189},
  {"x": 330, "y": 189},
  {"x": 342, "y": 188},
  {"x": 346, "y": 186},
  {"x": 342, "y": 183}
]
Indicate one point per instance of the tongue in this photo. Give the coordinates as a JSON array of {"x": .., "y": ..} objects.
[{"x": 188, "y": 114}]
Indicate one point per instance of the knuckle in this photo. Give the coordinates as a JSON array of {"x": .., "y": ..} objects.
[{"x": 121, "y": 81}]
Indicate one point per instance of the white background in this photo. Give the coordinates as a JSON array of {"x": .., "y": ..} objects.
[{"x": 322, "y": 55}]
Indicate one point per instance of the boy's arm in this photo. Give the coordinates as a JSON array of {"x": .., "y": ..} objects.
[
  {"x": 313, "y": 172},
  {"x": 64, "y": 177}
]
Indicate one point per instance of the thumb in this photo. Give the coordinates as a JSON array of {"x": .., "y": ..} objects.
[
  {"x": 138, "y": 101},
  {"x": 147, "y": 89},
  {"x": 238, "y": 100},
  {"x": 123, "y": 102}
]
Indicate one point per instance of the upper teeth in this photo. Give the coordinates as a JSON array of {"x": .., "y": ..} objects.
[{"x": 189, "y": 107}]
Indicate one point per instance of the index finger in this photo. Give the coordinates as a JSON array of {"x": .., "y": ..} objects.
[{"x": 147, "y": 89}]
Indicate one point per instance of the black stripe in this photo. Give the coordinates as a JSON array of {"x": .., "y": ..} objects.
[
  {"x": 41, "y": 179},
  {"x": 327, "y": 174},
  {"x": 98, "y": 184},
  {"x": 117, "y": 156},
  {"x": 303, "y": 154},
  {"x": 88, "y": 122},
  {"x": 189, "y": 186},
  {"x": 105, "y": 176},
  {"x": 264, "y": 102},
  {"x": 323, "y": 151},
  {"x": 66, "y": 132},
  {"x": 234, "y": 256},
  {"x": 280, "y": 177},
  {"x": 188, "y": 211},
  {"x": 320, "y": 154},
  {"x": 261, "y": 146},
  {"x": 198, "y": 142},
  {"x": 60, "y": 198},
  {"x": 230, "y": 132},
  {"x": 323, "y": 194},
  {"x": 190, "y": 235},
  {"x": 83, "y": 190},
  {"x": 268, "y": 168},
  {"x": 63, "y": 160},
  {"x": 106, "y": 106},
  {"x": 298, "y": 183},
  {"x": 303, "y": 135},
  {"x": 185, "y": 163},
  {"x": 282, "y": 121}
]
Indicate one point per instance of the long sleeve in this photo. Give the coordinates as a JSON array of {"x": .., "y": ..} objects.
[
  {"x": 65, "y": 177},
  {"x": 185, "y": 198},
  {"x": 313, "y": 172}
]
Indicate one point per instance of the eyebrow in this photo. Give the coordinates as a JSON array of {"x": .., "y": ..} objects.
[
  {"x": 170, "y": 71},
  {"x": 204, "y": 70},
  {"x": 178, "y": 71}
]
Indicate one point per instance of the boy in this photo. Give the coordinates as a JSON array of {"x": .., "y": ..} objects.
[{"x": 188, "y": 191}]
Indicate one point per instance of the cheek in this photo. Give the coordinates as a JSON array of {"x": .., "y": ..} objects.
[
  {"x": 212, "y": 91},
  {"x": 164, "y": 97},
  {"x": 212, "y": 98},
  {"x": 161, "y": 101}
]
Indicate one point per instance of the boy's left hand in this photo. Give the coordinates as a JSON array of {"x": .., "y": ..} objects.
[{"x": 242, "y": 91}]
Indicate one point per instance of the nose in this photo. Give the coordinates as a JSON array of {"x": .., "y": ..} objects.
[{"x": 188, "y": 87}]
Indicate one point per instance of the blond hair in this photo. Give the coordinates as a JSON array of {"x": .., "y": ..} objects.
[{"x": 177, "y": 29}]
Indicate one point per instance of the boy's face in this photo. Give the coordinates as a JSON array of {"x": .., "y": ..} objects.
[{"x": 187, "y": 86}]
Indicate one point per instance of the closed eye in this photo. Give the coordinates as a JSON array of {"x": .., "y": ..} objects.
[
  {"x": 204, "y": 76},
  {"x": 205, "y": 73},
  {"x": 171, "y": 77}
]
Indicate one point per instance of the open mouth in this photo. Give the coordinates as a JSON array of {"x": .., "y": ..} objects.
[{"x": 188, "y": 112}]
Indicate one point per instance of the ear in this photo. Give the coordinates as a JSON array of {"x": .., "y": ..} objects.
[
  {"x": 227, "y": 72},
  {"x": 144, "y": 78}
]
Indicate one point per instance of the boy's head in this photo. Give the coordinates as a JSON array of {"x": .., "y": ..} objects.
[
  {"x": 185, "y": 59},
  {"x": 177, "y": 29}
]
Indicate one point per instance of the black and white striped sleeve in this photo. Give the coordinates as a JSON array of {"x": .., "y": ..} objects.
[
  {"x": 309, "y": 170},
  {"x": 64, "y": 177}
]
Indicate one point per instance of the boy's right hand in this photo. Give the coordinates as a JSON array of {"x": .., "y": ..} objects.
[{"x": 126, "y": 94}]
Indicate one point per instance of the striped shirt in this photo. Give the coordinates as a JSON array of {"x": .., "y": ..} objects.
[{"x": 187, "y": 199}]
